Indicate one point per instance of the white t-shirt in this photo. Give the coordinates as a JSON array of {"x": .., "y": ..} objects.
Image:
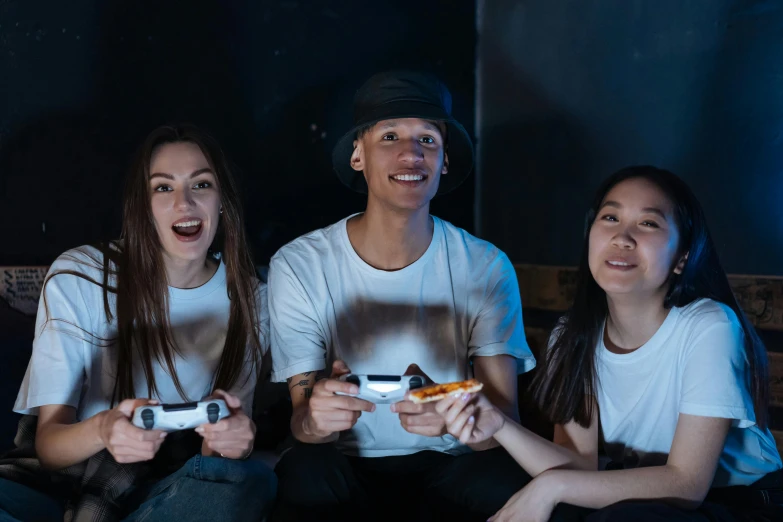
[
  {"x": 459, "y": 300},
  {"x": 70, "y": 367},
  {"x": 694, "y": 364}
]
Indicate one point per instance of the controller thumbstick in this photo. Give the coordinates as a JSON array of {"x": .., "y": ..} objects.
[
  {"x": 148, "y": 418},
  {"x": 213, "y": 412}
]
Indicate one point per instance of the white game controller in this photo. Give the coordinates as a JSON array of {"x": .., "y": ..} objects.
[
  {"x": 175, "y": 417},
  {"x": 383, "y": 389}
]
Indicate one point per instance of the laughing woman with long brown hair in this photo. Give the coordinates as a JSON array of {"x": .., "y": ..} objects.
[{"x": 170, "y": 313}]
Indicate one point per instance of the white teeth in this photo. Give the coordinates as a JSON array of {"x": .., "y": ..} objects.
[
  {"x": 192, "y": 223},
  {"x": 619, "y": 263},
  {"x": 409, "y": 177}
]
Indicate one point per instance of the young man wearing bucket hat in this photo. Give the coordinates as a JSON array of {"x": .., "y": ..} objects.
[{"x": 394, "y": 291}]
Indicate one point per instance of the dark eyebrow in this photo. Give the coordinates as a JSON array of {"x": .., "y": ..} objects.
[
  {"x": 610, "y": 204},
  {"x": 432, "y": 126},
  {"x": 390, "y": 124},
  {"x": 192, "y": 175},
  {"x": 653, "y": 210},
  {"x": 647, "y": 210}
]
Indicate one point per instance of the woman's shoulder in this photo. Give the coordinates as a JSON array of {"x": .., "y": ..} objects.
[
  {"x": 710, "y": 326},
  {"x": 78, "y": 258},
  {"x": 704, "y": 312},
  {"x": 86, "y": 263}
]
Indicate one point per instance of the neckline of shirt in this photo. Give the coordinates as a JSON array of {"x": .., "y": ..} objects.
[{"x": 437, "y": 234}]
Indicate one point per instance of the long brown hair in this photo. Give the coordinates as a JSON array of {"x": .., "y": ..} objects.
[{"x": 133, "y": 269}]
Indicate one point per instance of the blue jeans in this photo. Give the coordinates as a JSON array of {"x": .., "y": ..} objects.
[
  {"x": 206, "y": 488},
  {"x": 21, "y": 503}
]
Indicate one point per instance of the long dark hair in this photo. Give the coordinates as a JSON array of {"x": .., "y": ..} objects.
[
  {"x": 133, "y": 269},
  {"x": 568, "y": 375}
]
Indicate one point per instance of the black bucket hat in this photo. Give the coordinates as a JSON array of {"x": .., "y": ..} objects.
[{"x": 405, "y": 94}]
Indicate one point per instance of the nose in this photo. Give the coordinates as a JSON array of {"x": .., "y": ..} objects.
[
  {"x": 412, "y": 151},
  {"x": 183, "y": 199},
  {"x": 624, "y": 239}
]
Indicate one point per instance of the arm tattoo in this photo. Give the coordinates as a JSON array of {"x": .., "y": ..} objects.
[{"x": 303, "y": 382}]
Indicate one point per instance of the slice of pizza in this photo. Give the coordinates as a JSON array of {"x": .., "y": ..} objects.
[{"x": 437, "y": 392}]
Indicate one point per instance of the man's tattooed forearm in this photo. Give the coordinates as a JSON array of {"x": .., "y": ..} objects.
[{"x": 303, "y": 382}]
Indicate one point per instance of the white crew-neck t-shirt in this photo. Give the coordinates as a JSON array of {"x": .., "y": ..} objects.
[
  {"x": 67, "y": 368},
  {"x": 459, "y": 300},
  {"x": 694, "y": 364}
]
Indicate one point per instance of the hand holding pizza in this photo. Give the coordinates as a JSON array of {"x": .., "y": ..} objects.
[{"x": 470, "y": 417}]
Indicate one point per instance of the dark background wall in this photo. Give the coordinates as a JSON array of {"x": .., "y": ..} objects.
[
  {"x": 82, "y": 82},
  {"x": 572, "y": 90}
]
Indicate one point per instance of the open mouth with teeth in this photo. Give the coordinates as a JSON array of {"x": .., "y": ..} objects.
[
  {"x": 409, "y": 180},
  {"x": 187, "y": 229},
  {"x": 620, "y": 265}
]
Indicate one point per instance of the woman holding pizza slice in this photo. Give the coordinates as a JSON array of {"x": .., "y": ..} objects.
[{"x": 656, "y": 359}]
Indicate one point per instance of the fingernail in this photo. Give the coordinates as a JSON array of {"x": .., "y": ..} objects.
[
  {"x": 373, "y": 408},
  {"x": 465, "y": 397},
  {"x": 163, "y": 435},
  {"x": 472, "y": 419},
  {"x": 200, "y": 429},
  {"x": 354, "y": 390},
  {"x": 393, "y": 408}
]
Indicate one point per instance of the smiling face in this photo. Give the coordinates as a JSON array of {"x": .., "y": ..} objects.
[
  {"x": 634, "y": 240},
  {"x": 402, "y": 161},
  {"x": 185, "y": 200}
]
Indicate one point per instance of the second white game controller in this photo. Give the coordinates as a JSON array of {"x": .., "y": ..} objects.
[
  {"x": 175, "y": 417},
  {"x": 383, "y": 389}
]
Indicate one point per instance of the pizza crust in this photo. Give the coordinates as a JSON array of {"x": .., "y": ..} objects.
[{"x": 438, "y": 392}]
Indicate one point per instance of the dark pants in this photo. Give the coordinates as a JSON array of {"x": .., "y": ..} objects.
[
  {"x": 318, "y": 482},
  {"x": 761, "y": 502}
]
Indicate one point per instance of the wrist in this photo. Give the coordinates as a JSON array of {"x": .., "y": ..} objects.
[
  {"x": 305, "y": 424},
  {"x": 309, "y": 430},
  {"x": 96, "y": 429},
  {"x": 552, "y": 482},
  {"x": 504, "y": 426}
]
